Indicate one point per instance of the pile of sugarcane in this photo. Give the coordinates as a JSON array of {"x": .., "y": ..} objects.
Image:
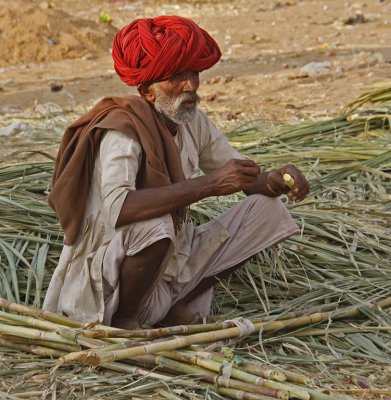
[
  {"x": 158, "y": 353},
  {"x": 298, "y": 294}
]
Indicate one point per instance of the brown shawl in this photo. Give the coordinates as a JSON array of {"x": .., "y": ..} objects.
[{"x": 74, "y": 166}]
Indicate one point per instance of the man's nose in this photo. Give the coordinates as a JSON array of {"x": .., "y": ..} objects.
[{"x": 191, "y": 84}]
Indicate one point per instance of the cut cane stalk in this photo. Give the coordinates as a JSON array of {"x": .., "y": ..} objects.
[{"x": 288, "y": 180}]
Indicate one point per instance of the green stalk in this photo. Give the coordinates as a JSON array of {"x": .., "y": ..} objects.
[
  {"x": 333, "y": 331},
  {"x": 34, "y": 312},
  {"x": 33, "y": 393},
  {"x": 167, "y": 395},
  {"x": 28, "y": 321},
  {"x": 236, "y": 394},
  {"x": 207, "y": 373},
  {"x": 34, "y": 349},
  {"x": 271, "y": 388},
  {"x": 32, "y": 334},
  {"x": 248, "y": 366},
  {"x": 65, "y": 347}
]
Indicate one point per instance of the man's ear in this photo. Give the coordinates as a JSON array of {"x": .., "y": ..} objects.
[{"x": 147, "y": 91}]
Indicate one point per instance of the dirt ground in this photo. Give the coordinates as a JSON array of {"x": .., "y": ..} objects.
[{"x": 58, "y": 51}]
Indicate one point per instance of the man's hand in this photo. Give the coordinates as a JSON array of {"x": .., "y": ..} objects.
[
  {"x": 234, "y": 176},
  {"x": 276, "y": 184}
]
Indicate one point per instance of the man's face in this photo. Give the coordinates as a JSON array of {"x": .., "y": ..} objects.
[{"x": 177, "y": 98}]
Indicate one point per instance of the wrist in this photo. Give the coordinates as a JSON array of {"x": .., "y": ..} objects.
[
  {"x": 272, "y": 192},
  {"x": 205, "y": 185}
]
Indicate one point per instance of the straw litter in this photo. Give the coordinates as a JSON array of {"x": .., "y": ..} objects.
[{"x": 306, "y": 319}]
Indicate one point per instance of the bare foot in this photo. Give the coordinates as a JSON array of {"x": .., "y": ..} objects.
[
  {"x": 179, "y": 314},
  {"x": 129, "y": 324}
]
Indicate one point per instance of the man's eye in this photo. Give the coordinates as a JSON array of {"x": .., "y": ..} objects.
[
  {"x": 178, "y": 77},
  {"x": 181, "y": 76}
]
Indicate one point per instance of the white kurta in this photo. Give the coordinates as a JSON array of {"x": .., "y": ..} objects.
[{"x": 85, "y": 284}]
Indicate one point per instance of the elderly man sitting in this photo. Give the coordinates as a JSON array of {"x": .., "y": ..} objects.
[{"x": 125, "y": 177}]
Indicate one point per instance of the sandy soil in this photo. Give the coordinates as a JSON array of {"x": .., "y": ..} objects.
[{"x": 59, "y": 51}]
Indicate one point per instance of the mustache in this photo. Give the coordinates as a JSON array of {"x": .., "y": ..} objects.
[{"x": 185, "y": 97}]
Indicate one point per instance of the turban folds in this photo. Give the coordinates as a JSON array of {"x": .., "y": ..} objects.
[{"x": 153, "y": 49}]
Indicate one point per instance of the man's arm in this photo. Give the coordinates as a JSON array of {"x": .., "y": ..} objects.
[{"x": 234, "y": 176}]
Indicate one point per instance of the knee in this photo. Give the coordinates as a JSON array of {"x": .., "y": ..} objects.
[
  {"x": 260, "y": 200},
  {"x": 270, "y": 207},
  {"x": 157, "y": 232},
  {"x": 160, "y": 247}
]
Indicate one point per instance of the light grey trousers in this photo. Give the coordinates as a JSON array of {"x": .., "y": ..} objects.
[{"x": 252, "y": 225}]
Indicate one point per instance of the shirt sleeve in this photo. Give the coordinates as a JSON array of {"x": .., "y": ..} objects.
[
  {"x": 120, "y": 159},
  {"x": 215, "y": 149}
]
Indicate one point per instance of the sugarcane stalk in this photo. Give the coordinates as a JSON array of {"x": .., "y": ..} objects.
[
  {"x": 333, "y": 331},
  {"x": 130, "y": 369},
  {"x": 257, "y": 368},
  {"x": 236, "y": 394},
  {"x": 298, "y": 378},
  {"x": 255, "y": 389},
  {"x": 159, "y": 332},
  {"x": 211, "y": 376},
  {"x": 23, "y": 320},
  {"x": 90, "y": 342},
  {"x": 32, "y": 333},
  {"x": 167, "y": 395},
  {"x": 204, "y": 374},
  {"x": 71, "y": 337},
  {"x": 34, "y": 349},
  {"x": 299, "y": 313},
  {"x": 230, "y": 382},
  {"x": 271, "y": 388},
  {"x": 32, "y": 393},
  {"x": 249, "y": 366},
  {"x": 274, "y": 375},
  {"x": 319, "y": 395},
  {"x": 67, "y": 340},
  {"x": 7, "y": 396},
  {"x": 93, "y": 358},
  {"x": 35, "y": 312},
  {"x": 288, "y": 180},
  {"x": 65, "y": 347},
  {"x": 347, "y": 312}
]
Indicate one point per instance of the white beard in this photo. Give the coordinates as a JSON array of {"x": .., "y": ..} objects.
[{"x": 171, "y": 107}]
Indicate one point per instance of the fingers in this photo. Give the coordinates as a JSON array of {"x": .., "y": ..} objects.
[
  {"x": 275, "y": 182},
  {"x": 244, "y": 162},
  {"x": 234, "y": 176},
  {"x": 289, "y": 180},
  {"x": 301, "y": 186},
  {"x": 245, "y": 167}
]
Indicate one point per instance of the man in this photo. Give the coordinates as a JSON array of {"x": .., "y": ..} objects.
[{"x": 125, "y": 177}]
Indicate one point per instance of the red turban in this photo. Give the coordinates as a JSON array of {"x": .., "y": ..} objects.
[{"x": 153, "y": 49}]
